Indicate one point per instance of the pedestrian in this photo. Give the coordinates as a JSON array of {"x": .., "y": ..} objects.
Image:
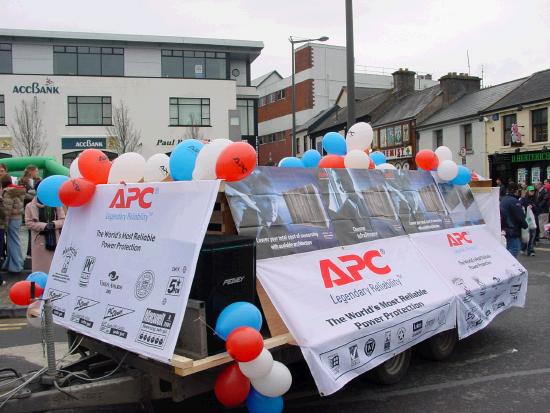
[
  {"x": 2, "y": 237},
  {"x": 45, "y": 224},
  {"x": 502, "y": 188},
  {"x": 13, "y": 196},
  {"x": 512, "y": 219},
  {"x": 529, "y": 204},
  {"x": 543, "y": 202},
  {"x": 30, "y": 181}
]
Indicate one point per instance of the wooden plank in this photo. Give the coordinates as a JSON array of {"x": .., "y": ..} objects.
[
  {"x": 274, "y": 321},
  {"x": 181, "y": 361},
  {"x": 216, "y": 217}
]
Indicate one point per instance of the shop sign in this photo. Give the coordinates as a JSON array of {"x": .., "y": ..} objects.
[
  {"x": 36, "y": 88},
  {"x": 6, "y": 143},
  {"x": 83, "y": 142},
  {"x": 169, "y": 141},
  {"x": 531, "y": 157},
  {"x": 397, "y": 153}
]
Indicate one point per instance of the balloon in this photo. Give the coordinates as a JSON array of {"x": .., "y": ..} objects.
[
  {"x": 231, "y": 387},
  {"x": 244, "y": 344},
  {"x": 183, "y": 159},
  {"x": 20, "y": 292},
  {"x": 334, "y": 143},
  {"x": 94, "y": 165},
  {"x": 157, "y": 168},
  {"x": 357, "y": 159},
  {"x": 258, "y": 403},
  {"x": 291, "y": 162},
  {"x": 76, "y": 192},
  {"x": 34, "y": 314},
  {"x": 74, "y": 172},
  {"x": 128, "y": 167},
  {"x": 259, "y": 367},
  {"x": 48, "y": 191},
  {"x": 236, "y": 315},
  {"x": 426, "y": 159},
  {"x": 359, "y": 136},
  {"x": 443, "y": 154},
  {"x": 276, "y": 383},
  {"x": 311, "y": 158},
  {"x": 332, "y": 161},
  {"x": 447, "y": 170},
  {"x": 236, "y": 162},
  {"x": 378, "y": 157},
  {"x": 205, "y": 167},
  {"x": 463, "y": 176},
  {"x": 385, "y": 166},
  {"x": 38, "y": 277}
]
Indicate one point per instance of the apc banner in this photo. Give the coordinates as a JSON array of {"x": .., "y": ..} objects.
[
  {"x": 481, "y": 272},
  {"x": 124, "y": 264},
  {"x": 354, "y": 307}
]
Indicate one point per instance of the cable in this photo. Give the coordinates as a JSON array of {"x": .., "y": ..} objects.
[
  {"x": 77, "y": 375},
  {"x": 13, "y": 392}
]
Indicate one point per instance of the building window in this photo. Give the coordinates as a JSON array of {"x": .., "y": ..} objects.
[
  {"x": 383, "y": 138},
  {"x": 438, "y": 138},
  {"x": 246, "y": 109},
  {"x": 2, "y": 111},
  {"x": 539, "y": 125},
  {"x": 5, "y": 58},
  {"x": 272, "y": 97},
  {"x": 194, "y": 64},
  {"x": 89, "y": 110},
  {"x": 272, "y": 137},
  {"x": 467, "y": 138},
  {"x": 507, "y": 122},
  {"x": 88, "y": 61},
  {"x": 189, "y": 112},
  {"x": 375, "y": 139},
  {"x": 406, "y": 133},
  {"x": 398, "y": 135}
]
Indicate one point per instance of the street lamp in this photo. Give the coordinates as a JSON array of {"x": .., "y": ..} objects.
[{"x": 293, "y": 42}]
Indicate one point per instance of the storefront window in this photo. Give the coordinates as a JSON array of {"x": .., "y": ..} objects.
[
  {"x": 398, "y": 135},
  {"x": 507, "y": 122},
  {"x": 535, "y": 174},
  {"x": 383, "y": 142},
  {"x": 406, "y": 133},
  {"x": 5, "y": 58},
  {"x": 539, "y": 124},
  {"x": 522, "y": 175},
  {"x": 390, "y": 138}
]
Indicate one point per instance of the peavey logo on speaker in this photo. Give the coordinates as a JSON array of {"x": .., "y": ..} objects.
[
  {"x": 112, "y": 327},
  {"x": 56, "y": 296},
  {"x": 155, "y": 328},
  {"x": 82, "y": 304}
]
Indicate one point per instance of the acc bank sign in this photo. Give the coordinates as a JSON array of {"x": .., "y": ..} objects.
[{"x": 37, "y": 88}]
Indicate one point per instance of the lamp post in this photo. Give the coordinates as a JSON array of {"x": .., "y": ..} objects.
[
  {"x": 350, "y": 64},
  {"x": 293, "y": 42}
]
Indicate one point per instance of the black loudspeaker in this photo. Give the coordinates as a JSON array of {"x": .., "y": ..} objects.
[{"x": 226, "y": 273}]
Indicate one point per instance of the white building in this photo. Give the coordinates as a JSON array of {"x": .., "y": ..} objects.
[{"x": 174, "y": 88}]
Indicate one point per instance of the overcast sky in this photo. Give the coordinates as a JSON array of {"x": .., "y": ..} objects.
[{"x": 510, "y": 38}]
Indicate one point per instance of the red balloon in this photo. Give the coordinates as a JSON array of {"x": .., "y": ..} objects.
[
  {"x": 244, "y": 344},
  {"x": 236, "y": 162},
  {"x": 426, "y": 159},
  {"x": 94, "y": 165},
  {"x": 20, "y": 292},
  {"x": 232, "y": 387},
  {"x": 76, "y": 192},
  {"x": 332, "y": 161}
]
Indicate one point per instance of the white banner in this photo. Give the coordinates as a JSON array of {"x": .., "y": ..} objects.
[
  {"x": 480, "y": 271},
  {"x": 352, "y": 308},
  {"x": 124, "y": 264}
]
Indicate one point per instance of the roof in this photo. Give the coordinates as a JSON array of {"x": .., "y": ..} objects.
[
  {"x": 361, "y": 92},
  {"x": 409, "y": 106},
  {"x": 472, "y": 103},
  {"x": 259, "y": 80},
  {"x": 316, "y": 119},
  {"x": 535, "y": 88}
]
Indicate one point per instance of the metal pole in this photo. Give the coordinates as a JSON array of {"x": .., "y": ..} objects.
[
  {"x": 49, "y": 338},
  {"x": 293, "y": 138},
  {"x": 350, "y": 63}
]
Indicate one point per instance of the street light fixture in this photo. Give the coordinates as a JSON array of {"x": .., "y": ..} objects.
[{"x": 294, "y": 41}]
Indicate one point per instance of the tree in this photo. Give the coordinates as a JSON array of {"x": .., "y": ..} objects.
[
  {"x": 29, "y": 137},
  {"x": 125, "y": 136}
]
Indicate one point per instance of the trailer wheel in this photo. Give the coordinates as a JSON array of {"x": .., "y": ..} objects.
[
  {"x": 440, "y": 346},
  {"x": 392, "y": 370}
]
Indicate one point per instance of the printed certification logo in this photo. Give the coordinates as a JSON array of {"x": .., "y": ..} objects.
[
  {"x": 370, "y": 345},
  {"x": 144, "y": 284}
]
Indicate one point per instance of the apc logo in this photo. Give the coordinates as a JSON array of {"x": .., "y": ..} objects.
[
  {"x": 458, "y": 239},
  {"x": 334, "y": 275},
  {"x": 124, "y": 198}
]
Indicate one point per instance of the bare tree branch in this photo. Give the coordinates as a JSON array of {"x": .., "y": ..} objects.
[
  {"x": 127, "y": 138},
  {"x": 29, "y": 137},
  {"x": 193, "y": 131}
]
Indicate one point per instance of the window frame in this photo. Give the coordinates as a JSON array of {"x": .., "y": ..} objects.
[
  {"x": 469, "y": 150},
  {"x": 250, "y": 104},
  {"x": 195, "y": 54},
  {"x": 506, "y": 130},
  {"x": 542, "y": 124},
  {"x": 2, "y": 110},
  {"x": 102, "y": 104},
  {"x": 81, "y": 51},
  {"x": 177, "y": 104},
  {"x": 7, "y": 48},
  {"x": 438, "y": 134}
]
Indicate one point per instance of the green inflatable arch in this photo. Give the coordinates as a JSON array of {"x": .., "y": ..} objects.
[{"x": 47, "y": 165}]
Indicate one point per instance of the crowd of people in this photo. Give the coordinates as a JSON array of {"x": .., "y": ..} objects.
[
  {"x": 18, "y": 202},
  {"x": 524, "y": 213}
]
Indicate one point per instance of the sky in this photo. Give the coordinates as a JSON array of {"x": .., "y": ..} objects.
[{"x": 508, "y": 38}]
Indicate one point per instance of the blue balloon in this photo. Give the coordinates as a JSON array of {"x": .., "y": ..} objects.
[
  {"x": 334, "y": 144},
  {"x": 183, "y": 158},
  {"x": 291, "y": 162},
  {"x": 39, "y": 278},
  {"x": 311, "y": 158},
  {"x": 48, "y": 191},
  {"x": 378, "y": 157},
  {"x": 463, "y": 177},
  {"x": 238, "y": 314},
  {"x": 258, "y": 403}
]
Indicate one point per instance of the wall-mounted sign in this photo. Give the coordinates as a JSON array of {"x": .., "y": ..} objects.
[
  {"x": 531, "y": 157},
  {"x": 397, "y": 153},
  {"x": 6, "y": 143},
  {"x": 36, "y": 88},
  {"x": 83, "y": 142},
  {"x": 169, "y": 141}
]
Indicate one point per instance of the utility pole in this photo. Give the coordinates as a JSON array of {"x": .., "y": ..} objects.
[{"x": 350, "y": 63}]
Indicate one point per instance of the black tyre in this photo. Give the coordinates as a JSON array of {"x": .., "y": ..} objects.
[
  {"x": 440, "y": 346},
  {"x": 393, "y": 370}
]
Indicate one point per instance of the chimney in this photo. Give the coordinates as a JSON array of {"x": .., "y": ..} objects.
[
  {"x": 455, "y": 85},
  {"x": 403, "y": 82}
]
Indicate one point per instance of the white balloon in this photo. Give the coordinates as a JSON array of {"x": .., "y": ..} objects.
[
  {"x": 443, "y": 154},
  {"x": 276, "y": 383},
  {"x": 205, "y": 166},
  {"x": 357, "y": 159},
  {"x": 385, "y": 166},
  {"x": 259, "y": 367},
  {"x": 447, "y": 170},
  {"x": 157, "y": 168},
  {"x": 359, "y": 136},
  {"x": 34, "y": 314},
  {"x": 74, "y": 172},
  {"x": 128, "y": 167}
]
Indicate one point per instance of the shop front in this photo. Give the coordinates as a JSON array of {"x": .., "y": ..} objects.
[
  {"x": 72, "y": 146},
  {"x": 522, "y": 167},
  {"x": 401, "y": 157}
]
